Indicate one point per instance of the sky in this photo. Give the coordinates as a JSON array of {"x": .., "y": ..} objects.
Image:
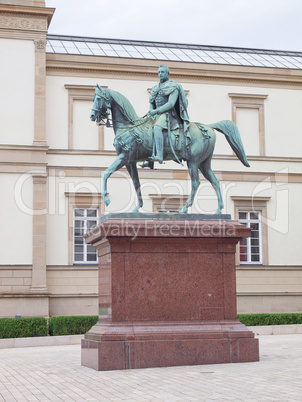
[{"x": 258, "y": 24}]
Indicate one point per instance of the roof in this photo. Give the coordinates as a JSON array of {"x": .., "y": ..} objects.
[{"x": 173, "y": 51}]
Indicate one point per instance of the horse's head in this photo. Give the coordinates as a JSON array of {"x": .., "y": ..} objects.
[{"x": 101, "y": 105}]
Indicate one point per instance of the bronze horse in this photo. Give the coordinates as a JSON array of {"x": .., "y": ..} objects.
[{"x": 133, "y": 143}]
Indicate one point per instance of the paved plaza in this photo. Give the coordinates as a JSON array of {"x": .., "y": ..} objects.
[{"x": 54, "y": 373}]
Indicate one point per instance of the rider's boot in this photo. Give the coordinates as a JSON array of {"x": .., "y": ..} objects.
[{"x": 159, "y": 145}]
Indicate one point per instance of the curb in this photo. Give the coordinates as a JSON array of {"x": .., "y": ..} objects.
[
  {"x": 40, "y": 341},
  {"x": 76, "y": 339},
  {"x": 277, "y": 329}
]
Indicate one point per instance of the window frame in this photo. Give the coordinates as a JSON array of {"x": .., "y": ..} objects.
[
  {"x": 253, "y": 204},
  {"x": 85, "y": 219},
  {"x": 81, "y": 200},
  {"x": 81, "y": 93},
  {"x": 248, "y": 222},
  {"x": 251, "y": 101}
]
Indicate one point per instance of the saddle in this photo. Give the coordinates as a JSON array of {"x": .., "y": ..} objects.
[
  {"x": 180, "y": 142},
  {"x": 143, "y": 135},
  {"x": 177, "y": 140}
]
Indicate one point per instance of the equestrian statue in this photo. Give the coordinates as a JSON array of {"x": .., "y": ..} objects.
[{"x": 164, "y": 133}]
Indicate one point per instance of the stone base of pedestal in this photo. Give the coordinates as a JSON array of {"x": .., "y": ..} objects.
[
  {"x": 133, "y": 346},
  {"x": 167, "y": 293}
]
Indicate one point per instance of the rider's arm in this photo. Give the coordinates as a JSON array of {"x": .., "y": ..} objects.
[
  {"x": 170, "y": 104},
  {"x": 152, "y": 106}
]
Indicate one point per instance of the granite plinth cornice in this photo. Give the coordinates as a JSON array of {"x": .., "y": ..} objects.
[
  {"x": 169, "y": 226},
  {"x": 138, "y": 331}
]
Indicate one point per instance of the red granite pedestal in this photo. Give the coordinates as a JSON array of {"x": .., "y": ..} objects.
[{"x": 167, "y": 294}]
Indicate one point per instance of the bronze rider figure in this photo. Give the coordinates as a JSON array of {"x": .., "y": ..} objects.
[{"x": 167, "y": 97}]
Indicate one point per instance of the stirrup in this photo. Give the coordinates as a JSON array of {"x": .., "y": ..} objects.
[{"x": 149, "y": 164}]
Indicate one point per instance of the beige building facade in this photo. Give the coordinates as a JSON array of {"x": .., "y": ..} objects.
[{"x": 52, "y": 158}]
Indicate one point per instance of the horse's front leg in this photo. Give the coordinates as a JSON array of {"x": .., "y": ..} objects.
[
  {"x": 132, "y": 169},
  {"x": 116, "y": 165}
]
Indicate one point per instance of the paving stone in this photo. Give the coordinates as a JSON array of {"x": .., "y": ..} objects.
[{"x": 54, "y": 373}]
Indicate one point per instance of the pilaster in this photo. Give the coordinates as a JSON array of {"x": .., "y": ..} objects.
[
  {"x": 29, "y": 20},
  {"x": 40, "y": 92},
  {"x": 39, "y": 281}
]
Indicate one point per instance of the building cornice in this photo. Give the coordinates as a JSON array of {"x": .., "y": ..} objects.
[
  {"x": 226, "y": 175},
  {"x": 80, "y": 65},
  {"x": 10, "y": 10},
  {"x": 81, "y": 152},
  {"x": 218, "y": 157},
  {"x": 15, "y": 147},
  {"x": 18, "y": 149}
]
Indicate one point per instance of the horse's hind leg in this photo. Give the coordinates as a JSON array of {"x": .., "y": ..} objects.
[
  {"x": 206, "y": 170},
  {"x": 116, "y": 165},
  {"x": 194, "y": 174},
  {"x": 132, "y": 169}
]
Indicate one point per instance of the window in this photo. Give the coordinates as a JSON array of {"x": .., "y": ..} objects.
[
  {"x": 84, "y": 219},
  {"x": 85, "y": 202},
  {"x": 252, "y": 212},
  {"x": 250, "y": 248}
]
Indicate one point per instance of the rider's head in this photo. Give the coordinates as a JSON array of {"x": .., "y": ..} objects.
[{"x": 163, "y": 73}]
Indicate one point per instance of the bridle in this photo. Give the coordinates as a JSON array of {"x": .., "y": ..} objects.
[
  {"x": 102, "y": 116},
  {"x": 99, "y": 115}
]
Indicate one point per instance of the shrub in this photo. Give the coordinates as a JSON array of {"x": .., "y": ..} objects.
[
  {"x": 270, "y": 319},
  {"x": 71, "y": 325},
  {"x": 75, "y": 325},
  {"x": 23, "y": 327}
]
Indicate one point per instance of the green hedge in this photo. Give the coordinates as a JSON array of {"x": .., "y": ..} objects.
[
  {"x": 71, "y": 325},
  {"x": 74, "y": 325},
  {"x": 270, "y": 319},
  {"x": 23, "y": 327}
]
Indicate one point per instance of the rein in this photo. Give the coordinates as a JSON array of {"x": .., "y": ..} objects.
[{"x": 140, "y": 121}]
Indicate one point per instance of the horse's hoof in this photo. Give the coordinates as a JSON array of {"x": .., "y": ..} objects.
[
  {"x": 136, "y": 209},
  {"x": 106, "y": 201},
  {"x": 183, "y": 210}
]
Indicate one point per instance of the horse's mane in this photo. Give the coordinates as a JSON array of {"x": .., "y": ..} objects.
[{"x": 124, "y": 104}]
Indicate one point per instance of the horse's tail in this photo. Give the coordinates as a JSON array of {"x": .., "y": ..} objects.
[{"x": 231, "y": 132}]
